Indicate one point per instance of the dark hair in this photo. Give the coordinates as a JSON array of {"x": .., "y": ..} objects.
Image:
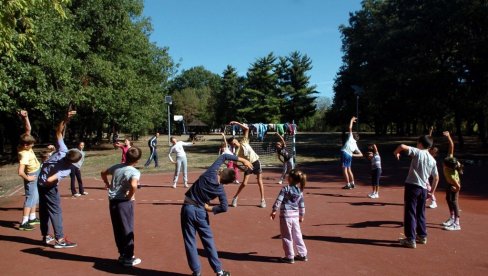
[
  {"x": 227, "y": 176},
  {"x": 133, "y": 154},
  {"x": 73, "y": 156},
  {"x": 229, "y": 140},
  {"x": 27, "y": 139},
  {"x": 45, "y": 154},
  {"x": 298, "y": 176},
  {"x": 425, "y": 141},
  {"x": 355, "y": 135}
]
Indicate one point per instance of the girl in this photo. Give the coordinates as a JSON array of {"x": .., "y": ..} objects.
[
  {"x": 224, "y": 148},
  {"x": 285, "y": 157},
  {"x": 374, "y": 157},
  {"x": 452, "y": 168},
  {"x": 124, "y": 147},
  {"x": 292, "y": 209}
]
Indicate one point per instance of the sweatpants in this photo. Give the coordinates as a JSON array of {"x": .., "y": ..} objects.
[
  {"x": 414, "y": 212},
  {"x": 152, "y": 156},
  {"x": 291, "y": 234},
  {"x": 181, "y": 162},
  {"x": 50, "y": 211},
  {"x": 75, "y": 172},
  {"x": 122, "y": 215}
]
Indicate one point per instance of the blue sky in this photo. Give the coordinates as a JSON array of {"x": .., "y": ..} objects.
[{"x": 217, "y": 33}]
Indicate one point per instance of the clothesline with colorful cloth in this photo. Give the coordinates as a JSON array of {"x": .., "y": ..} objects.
[{"x": 260, "y": 129}]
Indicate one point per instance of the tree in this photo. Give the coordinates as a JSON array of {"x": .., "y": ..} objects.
[{"x": 228, "y": 98}]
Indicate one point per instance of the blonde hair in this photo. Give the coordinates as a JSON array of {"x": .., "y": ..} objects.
[{"x": 298, "y": 177}]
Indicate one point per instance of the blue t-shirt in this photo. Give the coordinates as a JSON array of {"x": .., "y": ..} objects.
[
  {"x": 122, "y": 175},
  {"x": 207, "y": 186},
  {"x": 56, "y": 164}
]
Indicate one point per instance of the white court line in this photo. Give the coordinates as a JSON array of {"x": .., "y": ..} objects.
[{"x": 14, "y": 192}]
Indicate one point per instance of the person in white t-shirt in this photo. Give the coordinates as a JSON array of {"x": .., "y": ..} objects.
[
  {"x": 348, "y": 151},
  {"x": 181, "y": 160}
]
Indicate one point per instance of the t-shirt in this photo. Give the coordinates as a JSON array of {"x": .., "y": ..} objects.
[
  {"x": 55, "y": 164},
  {"x": 79, "y": 163},
  {"x": 451, "y": 175},
  {"x": 422, "y": 167},
  {"x": 122, "y": 176},
  {"x": 245, "y": 151},
  {"x": 350, "y": 146},
  {"x": 284, "y": 152},
  {"x": 376, "y": 161},
  {"x": 29, "y": 159},
  {"x": 207, "y": 186},
  {"x": 124, "y": 149},
  {"x": 178, "y": 148}
]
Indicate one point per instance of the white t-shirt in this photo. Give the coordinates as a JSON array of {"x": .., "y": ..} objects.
[
  {"x": 350, "y": 146},
  {"x": 422, "y": 167},
  {"x": 178, "y": 148}
]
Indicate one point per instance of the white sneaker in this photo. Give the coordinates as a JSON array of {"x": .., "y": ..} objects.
[
  {"x": 77, "y": 195},
  {"x": 263, "y": 204},
  {"x": 280, "y": 182},
  {"x": 453, "y": 227},
  {"x": 234, "y": 202},
  {"x": 371, "y": 195},
  {"x": 433, "y": 205},
  {"x": 186, "y": 185},
  {"x": 174, "y": 186},
  {"x": 131, "y": 262},
  {"x": 84, "y": 193},
  {"x": 448, "y": 222},
  {"x": 237, "y": 182},
  {"x": 376, "y": 195}
]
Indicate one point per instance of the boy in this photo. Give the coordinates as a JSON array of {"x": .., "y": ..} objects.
[
  {"x": 28, "y": 171},
  {"x": 152, "y": 144},
  {"x": 245, "y": 151},
  {"x": 53, "y": 170},
  {"x": 121, "y": 191},
  {"x": 194, "y": 216},
  {"x": 348, "y": 151},
  {"x": 75, "y": 172},
  {"x": 181, "y": 160},
  {"x": 422, "y": 166}
]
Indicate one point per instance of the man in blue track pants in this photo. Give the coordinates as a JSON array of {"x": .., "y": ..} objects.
[
  {"x": 152, "y": 143},
  {"x": 194, "y": 216}
]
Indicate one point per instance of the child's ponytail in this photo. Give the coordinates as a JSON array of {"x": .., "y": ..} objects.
[
  {"x": 298, "y": 177},
  {"x": 303, "y": 181}
]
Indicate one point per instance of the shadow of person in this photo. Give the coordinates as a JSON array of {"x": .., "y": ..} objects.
[
  {"x": 388, "y": 243},
  {"x": 9, "y": 224},
  {"x": 20, "y": 239},
  {"x": 250, "y": 256},
  {"x": 102, "y": 264}
]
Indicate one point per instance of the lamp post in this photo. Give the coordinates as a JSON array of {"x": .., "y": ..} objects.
[
  {"x": 169, "y": 101},
  {"x": 358, "y": 90}
]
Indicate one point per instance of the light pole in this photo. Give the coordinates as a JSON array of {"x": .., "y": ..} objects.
[
  {"x": 169, "y": 101},
  {"x": 358, "y": 90}
]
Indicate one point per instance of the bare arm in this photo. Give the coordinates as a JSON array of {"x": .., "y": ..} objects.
[
  {"x": 133, "y": 187},
  {"x": 245, "y": 162},
  {"x": 282, "y": 140},
  {"x": 435, "y": 181},
  {"x": 104, "y": 175},
  {"x": 62, "y": 125},
  {"x": 25, "y": 119},
  {"x": 399, "y": 149},
  {"x": 351, "y": 123},
  {"x": 431, "y": 130},
  {"x": 225, "y": 141},
  {"x": 451, "y": 143},
  {"x": 244, "y": 128},
  {"x": 22, "y": 173}
]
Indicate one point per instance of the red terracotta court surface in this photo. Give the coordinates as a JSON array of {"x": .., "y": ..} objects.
[{"x": 346, "y": 233}]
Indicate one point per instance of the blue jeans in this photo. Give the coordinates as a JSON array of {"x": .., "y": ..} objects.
[
  {"x": 50, "y": 210},
  {"x": 181, "y": 162},
  {"x": 31, "y": 193},
  {"x": 195, "y": 219},
  {"x": 414, "y": 212}
]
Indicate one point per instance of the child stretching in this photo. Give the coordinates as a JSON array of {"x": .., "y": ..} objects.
[
  {"x": 285, "y": 158},
  {"x": 292, "y": 209},
  {"x": 348, "y": 151},
  {"x": 121, "y": 191},
  {"x": 124, "y": 147},
  {"x": 224, "y": 148},
  {"x": 451, "y": 168},
  {"x": 375, "y": 158}
]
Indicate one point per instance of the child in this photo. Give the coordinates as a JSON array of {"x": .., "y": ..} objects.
[
  {"x": 124, "y": 147},
  {"x": 194, "y": 212},
  {"x": 348, "y": 151},
  {"x": 225, "y": 148},
  {"x": 121, "y": 191},
  {"x": 375, "y": 158},
  {"x": 53, "y": 170},
  {"x": 245, "y": 151},
  {"x": 181, "y": 160},
  {"x": 152, "y": 144},
  {"x": 292, "y": 209},
  {"x": 285, "y": 158},
  {"x": 75, "y": 172},
  {"x": 28, "y": 170},
  {"x": 434, "y": 151},
  {"x": 422, "y": 167},
  {"x": 451, "y": 168}
]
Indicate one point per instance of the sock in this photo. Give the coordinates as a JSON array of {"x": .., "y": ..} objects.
[
  {"x": 25, "y": 219},
  {"x": 32, "y": 216},
  {"x": 456, "y": 220},
  {"x": 352, "y": 183}
]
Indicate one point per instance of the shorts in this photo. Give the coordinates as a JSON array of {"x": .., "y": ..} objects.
[
  {"x": 256, "y": 168},
  {"x": 346, "y": 159},
  {"x": 375, "y": 176},
  {"x": 31, "y": 193}
]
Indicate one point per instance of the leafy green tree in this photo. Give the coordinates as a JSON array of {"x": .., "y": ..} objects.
[{"x": 229, "y": 97}]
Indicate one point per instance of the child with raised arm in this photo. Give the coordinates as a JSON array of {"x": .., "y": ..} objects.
[
  {"x": 375, "y": 158},
  {"x": 55, "y": 168},
  {"x": 226, "y": 148},
  {"x": 124, "y": 147},
  {"x": 422, "y": 167},
  {"x": 434, "y": 151},
  {"x": 285, "y": 157},
  {"x": 292, "y": 210},
  {"x": 28, "y": 170},
  {"x": 181, "y": 160},
  {"x": 121, "y": 191},
  {"x": 348, "y": 151},
  {"x": 195, "y": 209},
  {"x": 245, "y": 151},
  {"x": 451, "y": 168}
]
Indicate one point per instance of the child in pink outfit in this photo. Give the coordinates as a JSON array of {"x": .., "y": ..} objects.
[{"x": 292, "y": 209}]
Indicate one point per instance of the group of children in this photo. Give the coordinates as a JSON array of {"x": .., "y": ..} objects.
[{"x": 420, "y": 184}]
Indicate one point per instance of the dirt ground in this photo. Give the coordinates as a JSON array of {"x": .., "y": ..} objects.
[{"x": 346, "y": 233}]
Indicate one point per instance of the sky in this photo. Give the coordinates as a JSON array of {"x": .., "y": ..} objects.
[{"x": 217, "y": 33}]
